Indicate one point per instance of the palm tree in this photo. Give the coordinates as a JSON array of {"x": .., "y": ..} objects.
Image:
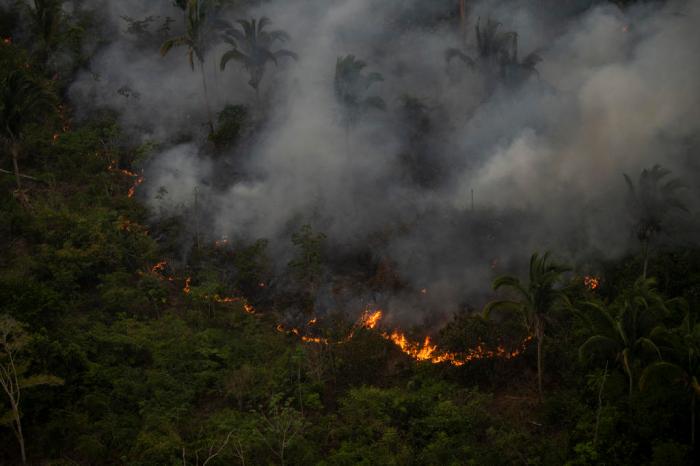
[
  {"x": 252, "y": 48},
  {"x": 623, "y": 333},
  {"x": 536, "y": 299},
  {"x": 680, "y": 348},
  {"x": 497, "y": 51},
  {"x": 47, "y": 19},
  {"x": 650, "y": 202},
  {"x": 351, "y": 86},
  {"x": 195, "y": 41},
  {"x": 22, "y": 101}
]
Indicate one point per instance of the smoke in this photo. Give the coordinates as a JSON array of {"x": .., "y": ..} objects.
[{"x": 510, "y": 168}]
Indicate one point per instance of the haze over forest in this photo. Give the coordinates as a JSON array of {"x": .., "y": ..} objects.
[{"x": 236, "y": 229}]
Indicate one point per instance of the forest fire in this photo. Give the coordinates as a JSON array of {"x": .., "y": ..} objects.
[
  {"x": 159, "y": 267},
  {"x": 370, "y": 319},
  {"x": 137, "y": 183},
  {"x": 138, "y": 179},
  {"x": 424, "y": 351},
  {"x": 7, "y": 40},
  {"x": 429, "y": 352},
  {"x": 591, "y": 282}
]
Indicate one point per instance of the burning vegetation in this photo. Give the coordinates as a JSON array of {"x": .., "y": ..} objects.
[
  {"x": 591, "y": 282},
  {"x": 207, "y": 262}
]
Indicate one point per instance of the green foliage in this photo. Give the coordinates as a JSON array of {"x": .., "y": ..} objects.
[
  {"x": 145, "y": 373},
  {"x": 536, "y": 300},
  {"x": 307, "y": 266},
  {"x": 623, "y": 334},
  {"x": 233, "y": 123},
  {"x": 195, "y": 37}
]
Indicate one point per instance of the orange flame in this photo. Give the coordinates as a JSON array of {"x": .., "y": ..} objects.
[
  {"x": 136, "y": 184},
  {"x": 370, "y": 319},
  {"x": 424, "y": 351},
  {"x": 187, "y": 287},
  {"x": 138, "y": 179},
  {"x": 159, "y": 267},
  {"x": 220, "y": 243},
  {"x": 429, "y": 352},
  {"x": 591, "y": 282},
  {"x": 7, "y": 40}
]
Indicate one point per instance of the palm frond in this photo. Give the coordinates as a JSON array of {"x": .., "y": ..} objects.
[
  {"x": 170, "y": 43},
  {"x": 598, "y": 345},
  {"x": 235, "y": 55},
  {"x": 286, "y": 53},
  {"x": 660, "y": 373},
  {"x": 502, "y": 305}
]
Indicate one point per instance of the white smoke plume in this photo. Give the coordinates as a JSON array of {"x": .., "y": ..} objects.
[{"x": 520, "y": 168}]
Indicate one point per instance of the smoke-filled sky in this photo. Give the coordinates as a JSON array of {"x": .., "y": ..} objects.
[{"x": 615, "y": 92}]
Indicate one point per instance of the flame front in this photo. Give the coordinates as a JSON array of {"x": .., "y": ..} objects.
[{"x": 425, "y": 351}]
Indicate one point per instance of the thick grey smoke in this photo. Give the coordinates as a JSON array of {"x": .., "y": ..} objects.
[{"x": 533, "y": 167}]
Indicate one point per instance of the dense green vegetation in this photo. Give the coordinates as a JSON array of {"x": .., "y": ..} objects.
[{"x": 110, "y": 356}]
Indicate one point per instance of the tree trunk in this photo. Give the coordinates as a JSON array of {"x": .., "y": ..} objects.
[
  {"x": 628, "y": 370},
  {"x": 206, "y": 96},
  {"x": 18, "y": 432},
  {"x": 463, "y": 20},
  {"x": 645, "y": 254},
  {"x": 539, "y": 334},
  {"x": 14, "y": 150},
  {"x": 600, "y": 406},
  {"x": 539, "y": 366},
  {"x": 258, "y": 102},
  {"x": 692, "y": 421}
]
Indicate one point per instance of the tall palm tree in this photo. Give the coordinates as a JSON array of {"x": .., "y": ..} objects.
[
  {"x": 680, "y": 348},
  {"x": 623, "y": 333},
  {"x": 351, "y": 87},
  {"x": 47, "y": 19},
  {"x": 496, "y": 53},
  {"x": 651, "y": 201},
  {"x": 22, "y": 101},
  {"x": 252, "y": 48},
  {"x": 195, "y": 39},
  {"x": 535, "y": 299}
]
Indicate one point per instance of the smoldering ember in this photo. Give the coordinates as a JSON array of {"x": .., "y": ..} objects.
[{"x": 342, "y": 232}]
